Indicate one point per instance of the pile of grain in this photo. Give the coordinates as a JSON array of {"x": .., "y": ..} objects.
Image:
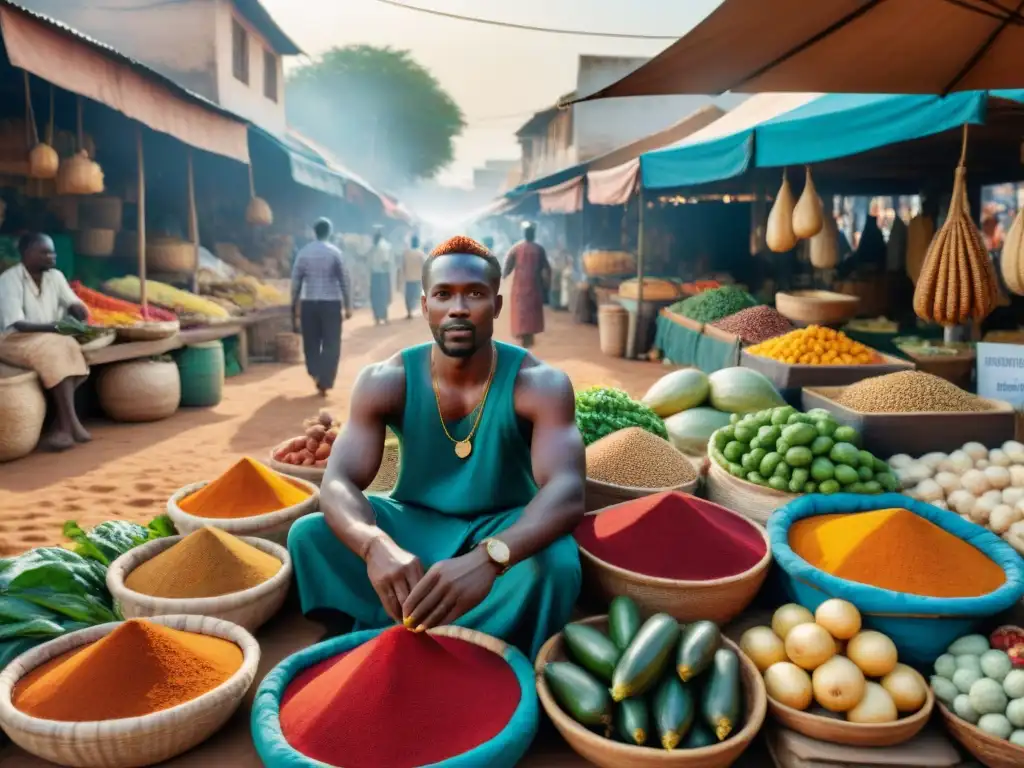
[
  {"x": 755, "y": 325},
  {"x": 387, "y": 475},
  {"x": 909, "y": 392},
  {"x": 635, "y": 458}
]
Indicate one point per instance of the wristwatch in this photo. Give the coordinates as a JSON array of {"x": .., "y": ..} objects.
[{"x": 497, "y": 550}]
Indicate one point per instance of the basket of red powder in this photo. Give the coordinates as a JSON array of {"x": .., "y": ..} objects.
[
  {"x": 451, "y": 697},
  {"x": 674, "y": 553},
  {"x": 128, "y": 693}
]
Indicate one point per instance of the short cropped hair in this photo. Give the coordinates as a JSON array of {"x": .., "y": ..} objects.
[
  {"x": 28, "y": 240},
  {"x": 322, "y": 228},
  {"x": 460, "y": 244}
]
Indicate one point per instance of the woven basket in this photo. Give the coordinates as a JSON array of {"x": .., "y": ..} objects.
[
  {"x": 601, "y": 494},
  {"x": 288, "y": 348},
  {"x": 387, "y": 475},
  {"x": 839, "y": 731},
  {"x": 273, "y": 526},
  {"x": 139, "y": 390},
  {"x": 816, "y": 307},
  {"x": 133, "y": 741},
  {"x": 596, "y": 263},
  {"x": 102, "y": 341},
  {"x": 717, "y": 600},
  {"x": 149, "y": 331},
  {"x": 249, "y": 609},
  {"x": 102, "y": 212},
  {"x": 22, "y": 412},
  {"x": 170, "y": 255},
  {"x": 259, "y": 213},
  {"x": 654, "y": 289},
  {"x": 989, "y": 750},
  {"x": 612, "y": 754},
  {"x": 97, "y": 243},
  {"x": 753, "y": 501},
  {"x": 66, "y": 210}
]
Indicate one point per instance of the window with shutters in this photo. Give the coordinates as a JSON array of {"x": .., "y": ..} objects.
[
  {"x": 270, "y": 75},
  {"x": 239, "y": 51}
]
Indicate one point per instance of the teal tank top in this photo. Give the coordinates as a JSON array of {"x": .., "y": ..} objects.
[{"x": 497, "y": 475}]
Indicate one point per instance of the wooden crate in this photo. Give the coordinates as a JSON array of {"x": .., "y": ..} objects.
[{"x": 786, "y": 376}]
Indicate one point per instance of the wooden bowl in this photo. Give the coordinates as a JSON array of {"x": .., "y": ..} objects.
[
  {"x": 601, "y": 494},
  {"x": 273, "y": 526},
  {"x": 990, "y": 751},
  {"x": 717, "y": 600},
  {"x": 249, "y": 609},
  {"x": 612, "y": 754},
  {"x": 816, "y": 307},
  {"x": 853, "y": 734},
  {"x": 132, "y": 741}
]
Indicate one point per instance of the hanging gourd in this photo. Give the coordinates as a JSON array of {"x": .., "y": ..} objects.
[
  {"x": 824, "y": 246},
  {"x": 779, "y": 234},
  {"x": 258, "y": 213},
  {"x": 920, "y": 232},
  {"x": 43, "y": 160},
  {"x": 958, "y": 281},
  {"x": 1011, "y": 262},
  {"x": 807, "y": 215},
  {"x": 79, "y": 175}
]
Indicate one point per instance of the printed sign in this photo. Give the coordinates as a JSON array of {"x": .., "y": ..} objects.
[{"x": 1001, "y": 372}]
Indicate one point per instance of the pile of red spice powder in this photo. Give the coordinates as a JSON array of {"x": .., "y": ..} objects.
[
  {"x": 672, "y": 535},
  {"x": 401, "y": 700}
]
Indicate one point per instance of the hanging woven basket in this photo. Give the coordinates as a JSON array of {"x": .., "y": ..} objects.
[
  {"x": 22, "y": 411},
  {"x": 258, "y": 213},
  {"x": 140, "y": 390}
]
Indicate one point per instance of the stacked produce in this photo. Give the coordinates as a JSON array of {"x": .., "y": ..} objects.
[
  {"x": 982, "y": 486},
  {"x": 826, "y": 659},
  {"x": 109, "y": 312},
  {"x": 314, "y": 447},
  {"x": 795, "y": 452},
  {"x": 815, "y": 345},
  {"x": 603, "y": 410},
  {"x": 673, "y": 535},
  {"x": 82, "y": 333},
  {"x": 981, "y": 680},
  {"x": 247, "y": 293},
  {"x": 677, "y": 688},
  {"x": 634, "y": 458},
  {"x": 712, "y": 305},
  {"x": 247, "y": 489},
  {"x": 909, "y": 392},
  {"x": 694, "y": 405},
  {"x": 169, "y": 297},
  {"x": 755, "y": 324}
]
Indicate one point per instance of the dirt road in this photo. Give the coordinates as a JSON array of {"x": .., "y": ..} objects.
[{"x": 129, "y": 471}]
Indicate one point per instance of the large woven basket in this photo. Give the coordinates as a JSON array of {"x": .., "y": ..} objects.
[
  {"x": 249, "y": 609},
  {"x": 273, "y": 526},
  {"x": 102, "y": 212},
  {"x": 503, "y": 751},
  {"x": 170, "y": 255},
  {"x": 134, "y": 741},
  {"x": 717, "y": 600},
  {"x": 655, "y": 289},
  {"x": 989, "y": 750},
  {"x": 753, "y": 501},
  {"x": 139, "y": 390},
  {"x": 387, "y": 475},
  {"x": 601, "y": 494},
  {"x": 22, "y": 412},
  {"x": 288, "y": 348},
  {"x": 95, "y": 242},
  {"x": 612, "y": 754},
  {"x": 149, "y": 331},
  {"x": 839, "y": 731}
]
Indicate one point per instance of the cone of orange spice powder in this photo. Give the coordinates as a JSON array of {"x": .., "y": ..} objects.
[{"x": 248, "y": 489}]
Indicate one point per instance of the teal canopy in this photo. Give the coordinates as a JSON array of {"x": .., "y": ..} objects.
[{"x": 827, "y": 127}]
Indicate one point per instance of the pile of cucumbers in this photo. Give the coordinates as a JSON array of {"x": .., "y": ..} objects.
[
  {"x": 651, "y": 683},
  {"x": 794, "y": 452}
]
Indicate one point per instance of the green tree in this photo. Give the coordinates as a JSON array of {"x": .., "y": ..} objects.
[{"x": 378, "y": 110}]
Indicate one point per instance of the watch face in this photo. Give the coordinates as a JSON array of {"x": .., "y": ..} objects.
[{"x": 498, "y": 551}]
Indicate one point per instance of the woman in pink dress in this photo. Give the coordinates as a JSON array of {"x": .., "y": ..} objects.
[{"x": 533, "y": 274}]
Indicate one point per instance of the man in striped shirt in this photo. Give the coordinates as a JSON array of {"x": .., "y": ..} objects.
[{"x": 320, "y": 290}]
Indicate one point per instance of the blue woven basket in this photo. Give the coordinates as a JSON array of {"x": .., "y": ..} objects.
[
  {"x": 921, "y": 627},
  {"x": 503, "y": 751}
]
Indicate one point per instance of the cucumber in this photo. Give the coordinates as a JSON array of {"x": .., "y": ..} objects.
[
  {"x": 578, "y": 693},
  {"x": 697, "y": 649},
  {"x": 623, "y": 621},
  {"x": 700, "y": 736},
  {"x": 646, "y": 657},
  {"x": 592, "y": 650},
  {"x": 633, "y": 721},
  {"x": 723, "y": 693},
  {"x": 673, "y": 710}
]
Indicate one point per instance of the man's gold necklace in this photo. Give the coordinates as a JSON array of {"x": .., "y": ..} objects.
[{"x": 463, "y": 448}]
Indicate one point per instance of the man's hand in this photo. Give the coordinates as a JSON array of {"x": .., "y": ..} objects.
[
  {"x": 348, "y": 313},
  {"x": 79, "y": 312},
  {"x": 394, "y": 574},
  {"x": 449, "y": 590},
  {"x": 295, "y": 323}
]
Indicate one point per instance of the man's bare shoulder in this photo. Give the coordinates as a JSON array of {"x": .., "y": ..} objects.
[
  {"x": 382, "y": 382},
  {"x": 538, "y": 380}
]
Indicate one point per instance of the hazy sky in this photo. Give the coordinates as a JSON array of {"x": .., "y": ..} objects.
[{"x": 499, "y": 77}]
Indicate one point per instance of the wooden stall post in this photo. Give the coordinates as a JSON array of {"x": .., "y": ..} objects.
[
  {"x": 193, "y": 221},
  {"x": 636, "y": 321},
  {"x": 141, "y": 217}
]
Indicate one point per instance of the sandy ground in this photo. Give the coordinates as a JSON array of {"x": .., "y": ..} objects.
[{"x": 129, "y": 471}]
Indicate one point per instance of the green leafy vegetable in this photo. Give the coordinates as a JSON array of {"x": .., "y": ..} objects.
[
  {"x": 603, "y": 410},
  {"x": 711, "y": 306}
]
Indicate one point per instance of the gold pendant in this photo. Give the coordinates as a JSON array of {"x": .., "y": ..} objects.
[{"x": 463, "y": 448}]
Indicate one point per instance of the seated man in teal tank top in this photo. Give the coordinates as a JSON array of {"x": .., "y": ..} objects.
[{"x": 478, "y": 529}]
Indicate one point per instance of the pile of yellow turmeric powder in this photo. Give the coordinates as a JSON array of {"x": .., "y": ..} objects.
[
  {"x": 138, "y": 669},
  {"x": 897, "y": 550},
  {"x": 248, "y": 489},
  {"x": 206, "y": 563}
]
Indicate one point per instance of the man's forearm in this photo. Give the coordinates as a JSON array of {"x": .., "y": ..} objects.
[
  {"x": 350, "y": 516},
  {"x": 26, "y": 327},
  {"x": 555, "y": 512}
]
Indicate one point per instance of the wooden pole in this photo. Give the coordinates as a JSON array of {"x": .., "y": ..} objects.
[
  {"x": 193, "y": 221},
  {"x": 639, "y": 329},
  {"x": 141, "y": 214}
]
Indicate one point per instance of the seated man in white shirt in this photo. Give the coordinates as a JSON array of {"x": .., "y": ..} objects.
[{"x": 34, "y": 297}]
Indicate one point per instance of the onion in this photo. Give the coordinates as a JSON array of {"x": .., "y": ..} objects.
[
  {"x": 975, "y": 451},
  {"x": 789, "y": 616},
  {"x": 840, "y": 618},
  {"x": 906, "y": 687},
  {"x": 789, "y": 685},
  {"x": 763, "y": 647},
  {"x": 877, "y": 706},
  {"x": 873, "y": 652},
  {"x": 838, "y": 684},
  {"x": 809, "y": 646}
]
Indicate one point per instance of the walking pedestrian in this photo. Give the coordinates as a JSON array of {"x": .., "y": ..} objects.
[
  {"x": 533, "y": 275},
  {"x": 380, "y": 277},
  {"x": 320, "y": 284},
  {"x": 412, "y": 271}
]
